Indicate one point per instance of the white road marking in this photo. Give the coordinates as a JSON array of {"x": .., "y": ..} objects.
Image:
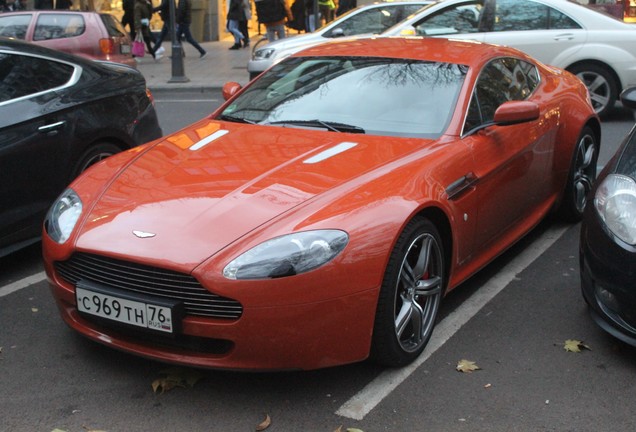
[
  {"x": 363, "y": 402},
  {"x": 22, "y": 283}
]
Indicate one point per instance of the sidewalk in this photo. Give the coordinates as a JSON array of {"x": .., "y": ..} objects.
[{"x": 218, "y": 67}]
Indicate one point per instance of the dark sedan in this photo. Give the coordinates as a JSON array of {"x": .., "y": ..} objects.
[
  {"x": 59, "y": 114},
  {"x": 608, "y": 241}
]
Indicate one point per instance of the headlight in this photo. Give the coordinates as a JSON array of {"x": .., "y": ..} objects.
[
  {"x": 63, "y": 215},
  {"x": 263, "y": 53},
  {"x": 615, "y": 202},
  {"x": 288, "y": 255}
]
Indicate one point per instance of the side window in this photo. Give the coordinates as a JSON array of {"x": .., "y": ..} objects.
[
  {"x": 527, "y": 15},
  {"x": 373, "y": 21},
  {"x": 58, "y": 26},
  {"x": 502, "y": 80},
  {"x": 22, "y": 75},
  {"x": 461, "y": 18},
  {"x": 15, "y": 26}
]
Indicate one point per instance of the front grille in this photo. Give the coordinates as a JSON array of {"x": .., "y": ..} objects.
[{"x": 143, "y": 279}]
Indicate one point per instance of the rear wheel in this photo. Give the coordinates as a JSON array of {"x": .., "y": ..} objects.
[
  {"x": 600, "y": 83},
  {"x": 410, "y": 295},
  {"x": 581, "y": 177},
  {"x": 94, "y": 154}
]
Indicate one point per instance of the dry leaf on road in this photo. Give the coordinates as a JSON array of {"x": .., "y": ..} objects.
[
  {"x": 264, "y": 424},
  {"x": 467, "y": 366},
  {"x": 573, "y": 345}
]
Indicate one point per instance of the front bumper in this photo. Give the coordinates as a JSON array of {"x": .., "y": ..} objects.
[{"x": 608, "y": 280}]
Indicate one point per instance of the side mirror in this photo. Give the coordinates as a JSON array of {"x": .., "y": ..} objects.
[
  {"x": 408, "y": 31},
  {"x": 513, "y": 112},
  {"x": 337, "y": 32},
  {"x": 230, "y": 89},
  {"x": 628, "y": 97}
]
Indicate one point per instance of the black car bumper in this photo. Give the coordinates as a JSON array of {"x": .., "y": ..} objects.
[{"x": 608, "y": 278}]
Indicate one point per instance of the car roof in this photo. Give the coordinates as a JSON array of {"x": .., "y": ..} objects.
[
  {"x": 470, "y": 53},
  {"x": 55, "y": 11}
]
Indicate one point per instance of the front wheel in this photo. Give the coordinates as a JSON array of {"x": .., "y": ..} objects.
[
  {"x": 600, "y": 83},
  {"x": 410, "y": 295},
  {"x": 94, "y": 154},
  {"x": 581, "y": 176}
]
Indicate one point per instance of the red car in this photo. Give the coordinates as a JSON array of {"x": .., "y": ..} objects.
[
  {"x": 94, "y": 35},
  {"x": 321, "y": 214}
]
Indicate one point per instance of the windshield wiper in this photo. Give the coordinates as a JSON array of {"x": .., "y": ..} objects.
[
  {"x": 332, "y": 126},
  {"x": 236, "y": 119}
]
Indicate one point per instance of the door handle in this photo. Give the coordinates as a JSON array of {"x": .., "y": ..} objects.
[
  {"x": 564, "y": 36},
  {"x": 51, "y": 127},
  {"x": 461, "y": 186}
]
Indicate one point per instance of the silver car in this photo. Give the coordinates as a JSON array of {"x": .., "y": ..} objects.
[
  {"x": 369, "y": 19},
  {"x": 598, "y": 48}
]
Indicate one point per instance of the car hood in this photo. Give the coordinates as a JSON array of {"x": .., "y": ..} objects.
[{"x": 195, "y": 192}]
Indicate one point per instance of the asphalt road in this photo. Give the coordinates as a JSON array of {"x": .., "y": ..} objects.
[{"x": 512, "y": 320}]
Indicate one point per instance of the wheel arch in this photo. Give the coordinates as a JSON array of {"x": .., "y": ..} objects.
[
  {"x": 441, "y": 221},
  {"x": 599, "y": 63}
]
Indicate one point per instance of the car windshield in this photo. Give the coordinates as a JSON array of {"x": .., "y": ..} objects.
[{"x": 376, "y": 96}]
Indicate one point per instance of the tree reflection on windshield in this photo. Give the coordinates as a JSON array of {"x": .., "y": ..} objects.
[{"x": 380, "y": 96}]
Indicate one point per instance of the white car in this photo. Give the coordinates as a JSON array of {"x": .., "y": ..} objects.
[
  {"x": 369, "y": 19},
  {"x": 597, "y": 48}
]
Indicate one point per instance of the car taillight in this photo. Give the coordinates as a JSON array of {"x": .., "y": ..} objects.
[{"x": 107, "y": 46}]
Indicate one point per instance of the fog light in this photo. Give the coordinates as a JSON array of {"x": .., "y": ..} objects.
[{"x": 607, "y": 299}]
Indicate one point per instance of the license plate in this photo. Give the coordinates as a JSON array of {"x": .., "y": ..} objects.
[
  {"x": 151, "y": 315},
  {"x": 124, "y": 49}
]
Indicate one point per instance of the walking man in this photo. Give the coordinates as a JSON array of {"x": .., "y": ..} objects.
[{"x": 184, "y": 19}]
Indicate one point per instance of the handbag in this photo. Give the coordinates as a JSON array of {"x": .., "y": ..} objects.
[{"x": 138, "y": 46}]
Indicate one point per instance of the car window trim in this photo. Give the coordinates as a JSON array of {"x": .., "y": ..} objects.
[{"x": 75, "y": 76}]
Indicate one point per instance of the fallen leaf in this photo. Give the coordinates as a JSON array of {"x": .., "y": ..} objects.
[
  {"x": 175, "y": 377},
  {"x": 467, "y": 366},
  {"x": 488, "y": 385},
  {"x": 34, "y": 309},
  {"x": 339, "y": 429},
  {"x": 354, "y": 430},
  {"x": 264, "y": 424},
  {"x": 573, "y": 345},
  {"x": 58, "y": 430}
]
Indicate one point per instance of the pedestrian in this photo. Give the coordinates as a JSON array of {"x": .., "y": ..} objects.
[
  {"x": 143, "y": 13},
  {"x": 235, "y": 14},
  {"x": 345, "y": 6},
  {"x": 128, "y": 19},
  {"x": 43, "y": 4},
  {"x": 164, "y": 13},
  {"x": 327, "y": 9},
  {"x": 244, "y": 24},
  {"x": 273, "y": 14},
  {"x": 63, "y": 4},
  {"x": 184, "y": 19}
]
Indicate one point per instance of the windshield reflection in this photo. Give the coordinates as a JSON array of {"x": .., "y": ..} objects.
[{"x": 378, "y": 96}]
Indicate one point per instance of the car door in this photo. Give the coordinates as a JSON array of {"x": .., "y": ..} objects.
[
  {"x": 513, "y": 162},
  {"x": 34, "y": 141},
  {"x": 535, "y": 28}
]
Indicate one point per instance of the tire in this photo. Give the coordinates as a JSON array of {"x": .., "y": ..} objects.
[
  {"x": 601, "y": 84},
  {"x": 581, "y": 176},
  {"x": 410, "y": 295},
  {"x": 94, "y": 154}
]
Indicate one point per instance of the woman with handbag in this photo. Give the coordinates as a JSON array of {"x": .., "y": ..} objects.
[{"x": 143, "y": 13}]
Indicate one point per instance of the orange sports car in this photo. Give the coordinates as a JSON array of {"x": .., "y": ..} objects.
[{"x": 321, "y": 214}]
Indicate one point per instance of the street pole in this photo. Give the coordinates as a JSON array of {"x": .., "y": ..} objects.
[
  {"x": 316, "y": 17},
  {"x": 178, "y": 73}
]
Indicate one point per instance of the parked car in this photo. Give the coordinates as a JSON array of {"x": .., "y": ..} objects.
[
  {"x": 368, "y": 19},
  {"x": 59, "y": 114},
  {"x": 596, "y": 47},
  {"x": 608, "y": 241},
  {"x": 90, "y": 34},
  {"x": 319, "y": 216}
]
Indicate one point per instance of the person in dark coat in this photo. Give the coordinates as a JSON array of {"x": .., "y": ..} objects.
[
  {"x": 184, "y": 19},
  {"x": 63, "y": 4},
  {"x": 235, "y": 14},
  {"x": 128, "y": 19},
  {"x": 143, "y": 13},
  {"x": 164, "y": 13},
  {"x": 43, "y": 4}
]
